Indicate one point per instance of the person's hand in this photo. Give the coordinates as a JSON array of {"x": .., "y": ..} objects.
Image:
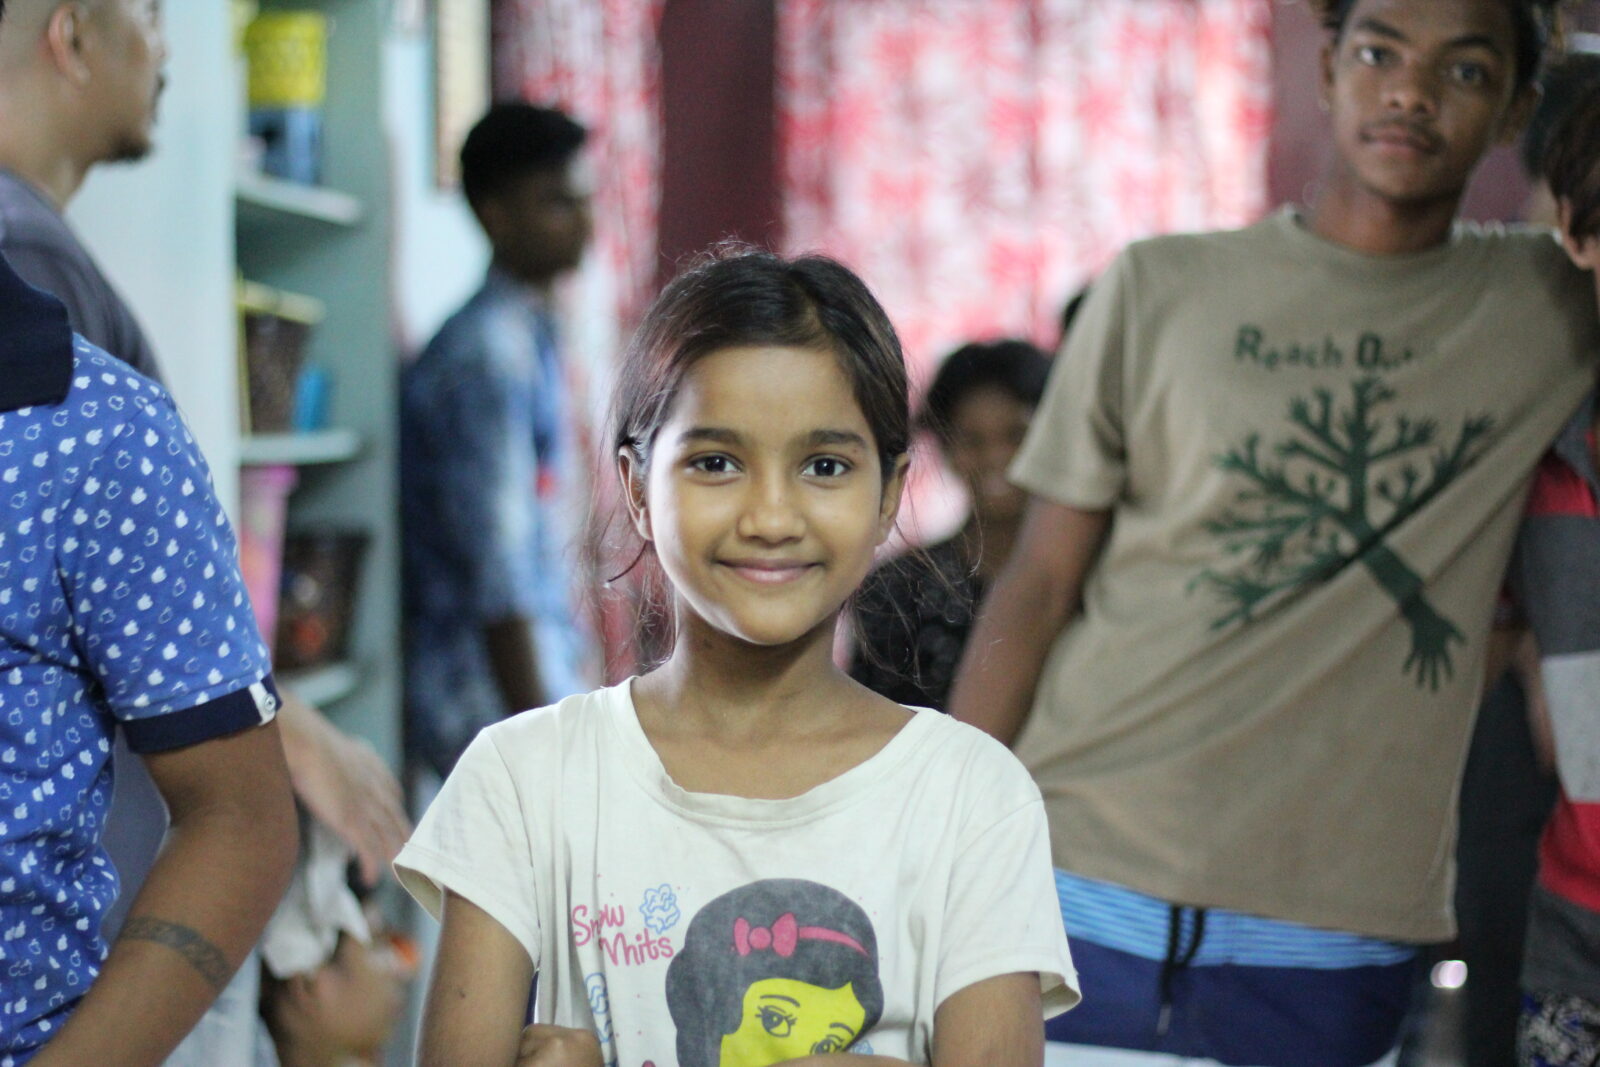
[
  {"x": 345, "y": 785},
  {"x": 558, "y": 1046}
]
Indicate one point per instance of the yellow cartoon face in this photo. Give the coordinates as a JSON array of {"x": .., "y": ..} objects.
[{"x": 785, "y": 1019}]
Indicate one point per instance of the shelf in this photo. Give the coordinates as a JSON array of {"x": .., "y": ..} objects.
[
  {"x": 272, "y": 198},
  {"x": 299, "y": 449},
  {"x": 321, "y": 686}
]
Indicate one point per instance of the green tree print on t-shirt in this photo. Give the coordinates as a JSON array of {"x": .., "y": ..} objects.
[{"x": 1328, "y": 496}]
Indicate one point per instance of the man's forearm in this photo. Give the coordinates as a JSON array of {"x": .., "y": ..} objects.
[
  {"x": 219, "y": 876},
  {"x": 1035, "y": 596}
]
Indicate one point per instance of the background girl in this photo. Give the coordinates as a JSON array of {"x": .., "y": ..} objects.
[
  {"x": 761, "y": 430},
  {"x": 915, "y": 611}
]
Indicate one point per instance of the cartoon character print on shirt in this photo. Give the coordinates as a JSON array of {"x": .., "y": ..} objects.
[
  {"x": 1328, "y": 493},
  {"x": 772, "y": 971}
]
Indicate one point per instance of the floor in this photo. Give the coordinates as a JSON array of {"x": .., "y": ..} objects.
[{"x": 1442, "y": 1042}]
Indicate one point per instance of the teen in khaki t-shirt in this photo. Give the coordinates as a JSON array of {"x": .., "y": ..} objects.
[{"x": 1276, "y": 478}]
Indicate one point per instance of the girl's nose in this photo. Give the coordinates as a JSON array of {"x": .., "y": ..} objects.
[{"x": 771, "y": 512}]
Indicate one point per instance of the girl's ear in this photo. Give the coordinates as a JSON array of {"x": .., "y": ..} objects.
[
  {"x": 893, "y": 489},
  {"x": 632, "y": 474}
]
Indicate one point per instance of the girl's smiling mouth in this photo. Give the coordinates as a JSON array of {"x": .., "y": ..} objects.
[{"x": 768, "y": 571}]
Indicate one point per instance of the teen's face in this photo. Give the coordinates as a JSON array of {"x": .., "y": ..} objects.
[
  {"x": 763, "y": 496},
  {"x": 128, "y": 54},
  {"x": 986, "y": 429},
  {"x": 1418, "y": 91},
  {"x": 786, "y": 1019},
  {"x": 540, "y": 224}
]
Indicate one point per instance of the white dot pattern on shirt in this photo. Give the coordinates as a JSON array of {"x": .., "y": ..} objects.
[{"x": 118, "y": 593}]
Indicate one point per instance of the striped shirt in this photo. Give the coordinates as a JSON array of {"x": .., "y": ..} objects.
[{"x": 1555, "y": 578}]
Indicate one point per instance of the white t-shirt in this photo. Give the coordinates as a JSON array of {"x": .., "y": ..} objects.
[{"x": 718, "y": 931}]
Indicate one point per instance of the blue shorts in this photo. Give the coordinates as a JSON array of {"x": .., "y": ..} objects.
[{"x": 1213, "y": 984}]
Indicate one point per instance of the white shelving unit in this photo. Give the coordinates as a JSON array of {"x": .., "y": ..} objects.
[
  {"x": 299, "y": 449},
  {"x": 331, "y": 242}
]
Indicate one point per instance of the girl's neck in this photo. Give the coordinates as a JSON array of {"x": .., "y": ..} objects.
[
  {"x": 987, "y": 544},
  {"x": 714, "y": 685}
]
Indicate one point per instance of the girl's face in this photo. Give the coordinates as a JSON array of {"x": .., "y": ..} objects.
[
  {"x": 986, "y": 429},
  {"x": 764, "y": 497}
]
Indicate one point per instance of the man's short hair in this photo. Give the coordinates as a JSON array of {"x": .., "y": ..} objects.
[
  {"x": 1572, "y": 163},
  {"x": 512, "y": 139}
]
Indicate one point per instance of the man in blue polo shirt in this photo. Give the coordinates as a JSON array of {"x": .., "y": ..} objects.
[{"x": 120, "y": 604}]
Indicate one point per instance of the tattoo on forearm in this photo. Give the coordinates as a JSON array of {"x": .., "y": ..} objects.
[{"x": 202, "y": 955}]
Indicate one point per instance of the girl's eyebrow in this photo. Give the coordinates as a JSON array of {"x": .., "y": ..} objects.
[
  {"x": 721, "y": 435},
  {"x": 713, "y": 434},
  {"x": 780, "y": 996},
  {"x": 835, "y": 437}
]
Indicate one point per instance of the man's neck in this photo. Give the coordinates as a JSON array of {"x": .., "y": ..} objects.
[
  {"x": 1362, "y": 221},
  {"x": 54, "y": 172},
  {"x": 540, "y": 288}
]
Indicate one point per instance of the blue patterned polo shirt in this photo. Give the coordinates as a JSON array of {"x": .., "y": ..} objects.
[{"x": 121, "y": 605}]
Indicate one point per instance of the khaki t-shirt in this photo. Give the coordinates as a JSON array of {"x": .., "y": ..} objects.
[{"x": 1316, "y": 461}]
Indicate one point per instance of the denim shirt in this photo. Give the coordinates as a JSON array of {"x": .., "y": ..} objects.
[{"x": 487, "y": 511}]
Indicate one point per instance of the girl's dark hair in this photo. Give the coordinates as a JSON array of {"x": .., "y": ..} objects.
[
  {"x": 833, "y": 943},
  {"x": 1535, "y": 22},
  {"x": 1017, "y": 367},
  {"x": 737, "y": 296},
  {"x": 1572, "y": 163}
]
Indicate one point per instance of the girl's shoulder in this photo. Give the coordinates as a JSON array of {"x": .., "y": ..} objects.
[
  {"x": 575, "y": 723},
  {"x": 971, "y": 761}
]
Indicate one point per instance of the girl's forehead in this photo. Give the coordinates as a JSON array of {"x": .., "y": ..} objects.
[{"x": 776, "y": 384}]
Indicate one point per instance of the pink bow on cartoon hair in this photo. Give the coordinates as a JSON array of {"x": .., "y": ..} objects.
[
  {"x": 784, "y": 935},
  {"x": 781, "y": 937}
]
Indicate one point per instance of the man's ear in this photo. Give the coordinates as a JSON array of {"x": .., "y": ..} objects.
[
  {"x": 893, "y": 490},
  {"x": 631, "y": 472},
  {"x": 64, "y": 44},
  {"x": 1325, "y": 63},
  {"x": 1583, "y": 251}
]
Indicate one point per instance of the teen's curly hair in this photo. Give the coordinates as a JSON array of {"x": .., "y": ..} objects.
[
  {"x": 1536, "y": 23},
  {"x": 1572, "y": 163}
]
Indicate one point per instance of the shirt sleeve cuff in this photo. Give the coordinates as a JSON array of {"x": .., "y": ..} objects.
[{"x": 241, "y": 709}]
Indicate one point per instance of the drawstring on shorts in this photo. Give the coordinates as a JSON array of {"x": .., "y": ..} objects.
[{"x": 1178, "y": 958}]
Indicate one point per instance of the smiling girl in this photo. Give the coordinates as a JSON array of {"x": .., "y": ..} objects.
[{"x": 856, "y": 874}]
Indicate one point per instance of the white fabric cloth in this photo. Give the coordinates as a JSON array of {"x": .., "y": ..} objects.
[
  {"x": 838, "y": 918},
  {"x": 304, "y": 932}
]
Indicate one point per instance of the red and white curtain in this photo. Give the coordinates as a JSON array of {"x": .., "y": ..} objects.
[
  {"x": 978, "y": 161},
  {"x": 599, "y": 61}
]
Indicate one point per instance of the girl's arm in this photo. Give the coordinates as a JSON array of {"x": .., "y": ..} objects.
[
  {"x": 997, "y": 1022},
  {"x": 478, "y": 992}
]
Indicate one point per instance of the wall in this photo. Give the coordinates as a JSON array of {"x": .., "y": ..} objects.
[
  {"x": 439, "y": 254},
  {"x": 163, "y": 231},
  {"x": 719, "y": 139}
]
